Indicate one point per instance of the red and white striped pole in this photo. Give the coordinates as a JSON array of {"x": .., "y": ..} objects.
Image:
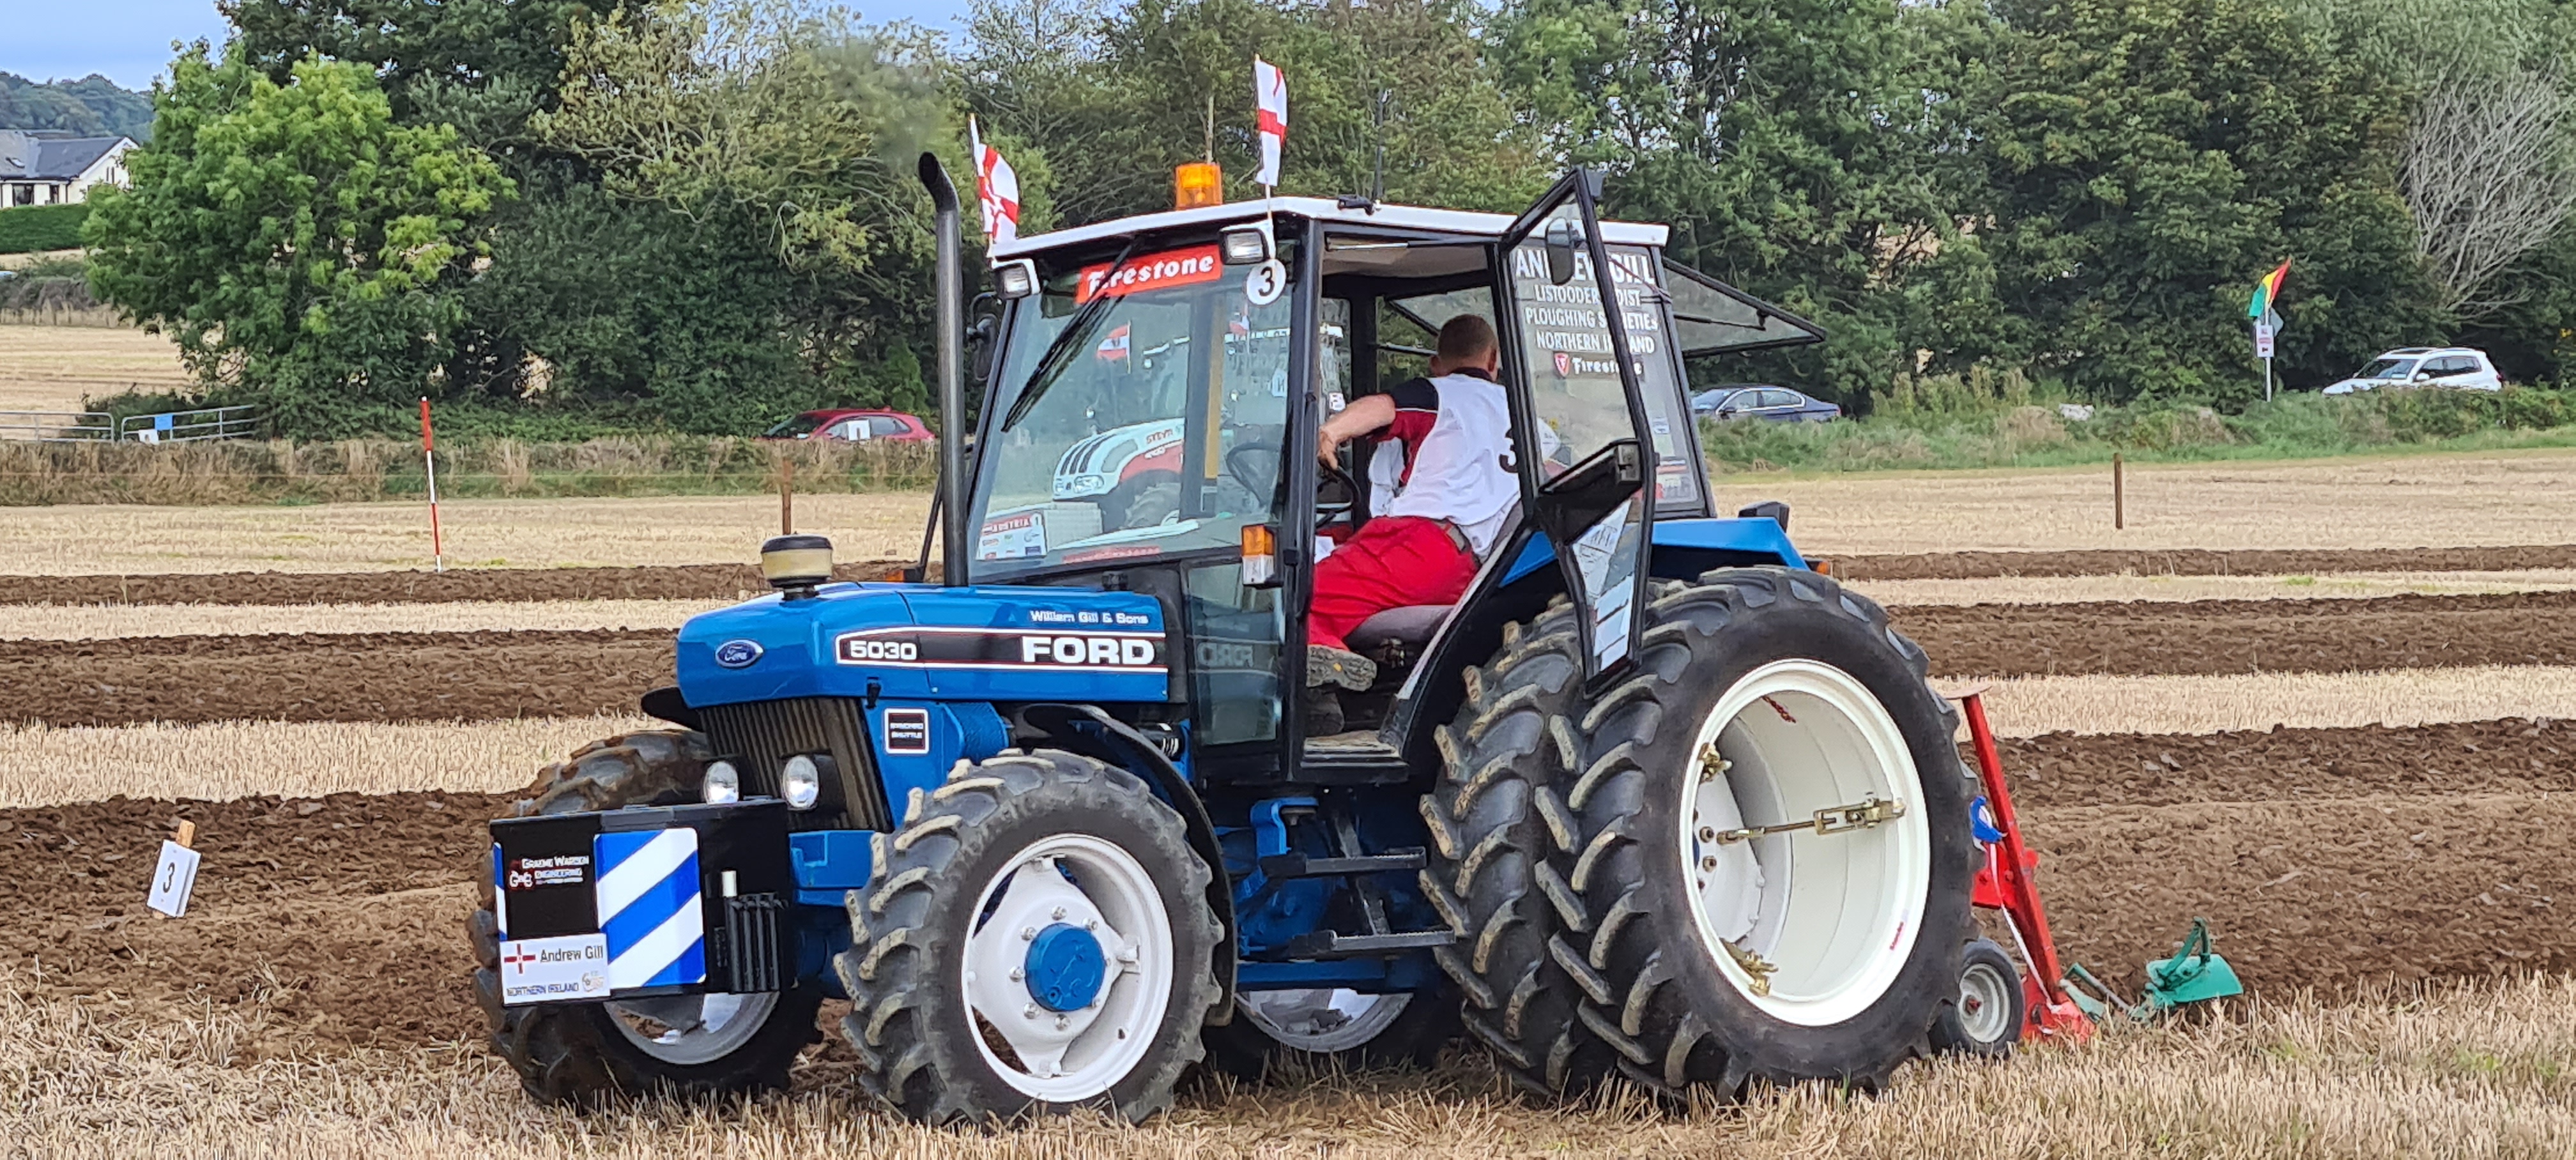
[{"x": 429, "y": 460}]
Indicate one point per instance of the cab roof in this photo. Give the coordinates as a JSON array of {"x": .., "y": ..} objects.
[{"x": 1405, "y": 217}]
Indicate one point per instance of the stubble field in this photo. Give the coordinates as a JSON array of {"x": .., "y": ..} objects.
[{"x": 2364, "y": 780}]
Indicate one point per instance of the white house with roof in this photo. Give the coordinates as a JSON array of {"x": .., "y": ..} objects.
[{"x": 38, "y": 167}]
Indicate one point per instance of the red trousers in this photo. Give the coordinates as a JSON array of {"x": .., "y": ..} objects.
[{"x": 1393, "y": 561}]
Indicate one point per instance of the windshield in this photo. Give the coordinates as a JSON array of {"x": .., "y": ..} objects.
[
  {"x": 1155, "y": 428},
  {"x": 2387, "y": 368},
  {"x": 798, "y": 426}
]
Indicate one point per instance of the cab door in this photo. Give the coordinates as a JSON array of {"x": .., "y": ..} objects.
[{"x": 1578, "y": 415}]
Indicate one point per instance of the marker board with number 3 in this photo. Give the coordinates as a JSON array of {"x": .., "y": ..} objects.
[{"x": 173, "y": 879}]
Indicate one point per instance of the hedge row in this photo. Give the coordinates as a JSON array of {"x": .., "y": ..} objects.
[{"x": 30, "y": 228}]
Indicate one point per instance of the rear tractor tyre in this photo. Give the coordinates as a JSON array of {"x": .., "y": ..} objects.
[
  {"x": 1034, "y": 938},
  {"x": 1496, "y": 815},
  {"x": 1986, "y": 1017},
  {"x": 1708, "y": 956},
  {"x": 687, "y": 1046}
]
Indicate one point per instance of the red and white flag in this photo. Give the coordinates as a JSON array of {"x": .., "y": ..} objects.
[
  {"x": 997, "y": 189},
  {"x": 1270, "y": 104},
  {"x": 1114, "y": 347}
]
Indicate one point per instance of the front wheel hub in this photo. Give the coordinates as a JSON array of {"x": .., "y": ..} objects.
[{"x": 1065, "y": 968}]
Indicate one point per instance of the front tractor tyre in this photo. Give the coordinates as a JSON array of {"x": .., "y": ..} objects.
[
  {"x": 1774, "y": 864},
  {"x": 1034, "y": 938},
  {"x": 681, "y": 1045}
]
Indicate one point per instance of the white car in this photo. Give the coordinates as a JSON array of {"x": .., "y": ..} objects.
[{"x": 2454, "y": 367}]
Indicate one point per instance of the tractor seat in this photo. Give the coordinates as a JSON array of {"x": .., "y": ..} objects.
[{"x": 1409, "y": 628}]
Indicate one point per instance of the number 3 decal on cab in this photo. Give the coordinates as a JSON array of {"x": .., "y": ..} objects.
[{"x": 1265, "y": 283}]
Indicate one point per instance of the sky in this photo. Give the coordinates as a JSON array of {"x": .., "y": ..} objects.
[{"x": 129, "y": 40}]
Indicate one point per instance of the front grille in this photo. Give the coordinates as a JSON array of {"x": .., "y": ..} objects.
[{"x": 761, "y": 735}]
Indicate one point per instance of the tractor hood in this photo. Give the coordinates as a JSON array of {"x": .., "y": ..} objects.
[{"x": 914, "y": 640}]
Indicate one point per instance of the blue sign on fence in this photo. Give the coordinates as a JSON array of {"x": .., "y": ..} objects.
[{"x": 162, "y": 422}]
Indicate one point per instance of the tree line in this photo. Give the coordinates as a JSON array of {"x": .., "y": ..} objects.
[{"x": 700, "y": 214}]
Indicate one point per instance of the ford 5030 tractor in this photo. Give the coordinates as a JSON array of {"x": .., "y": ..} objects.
[{"x": 1653, "y": 801}]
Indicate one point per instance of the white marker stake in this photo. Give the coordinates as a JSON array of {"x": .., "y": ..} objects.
[{"x": 176, "y": 875}]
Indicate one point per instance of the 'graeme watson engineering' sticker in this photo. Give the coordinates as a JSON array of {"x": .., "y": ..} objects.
[{"x": 1149, "y": 272}]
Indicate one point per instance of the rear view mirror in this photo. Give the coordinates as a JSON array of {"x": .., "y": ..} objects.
[{"x": 1561, "y": 237}]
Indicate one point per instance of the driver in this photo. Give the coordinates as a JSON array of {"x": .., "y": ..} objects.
[{"x": 1454, "y": 496}]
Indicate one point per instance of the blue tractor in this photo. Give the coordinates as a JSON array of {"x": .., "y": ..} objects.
[{"x": 1654, "y": 800}]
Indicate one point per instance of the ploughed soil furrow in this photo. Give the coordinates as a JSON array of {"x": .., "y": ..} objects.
[
  {"x": 669, "y": 582},
  {"x": 2206, "y": 637},
  {"x": 427, "y": 676},
  {"x": 2328, "y": 858},
  {"x": 723, "y": 581},
  {"x": 2199, "y": 562}
]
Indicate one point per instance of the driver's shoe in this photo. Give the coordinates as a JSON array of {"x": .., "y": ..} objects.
[{"x": 1326, "y": 665}]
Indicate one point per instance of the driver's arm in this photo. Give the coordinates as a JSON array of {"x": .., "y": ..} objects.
[{"x": 1365, "y": 414}]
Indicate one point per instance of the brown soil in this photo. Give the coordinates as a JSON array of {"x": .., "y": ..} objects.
[
  {"x": 2330, "y": 858},
  {"x": 439, "y": 676},
  {"x": 2201, "y": 562},
  {"x": 674, "y": 582},
  {"x": 2204, "y": 637},
  {"x": 429, "y": 676},
  {"x": 725, "y": 581}
]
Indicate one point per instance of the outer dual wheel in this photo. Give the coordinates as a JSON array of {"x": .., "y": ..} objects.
[
  {"x": 687, "y": 1045},
  {"x": 1035, "y": 937},
  {"x": 1771, "y": 874},
  {"x": 1496, "y": 817}
]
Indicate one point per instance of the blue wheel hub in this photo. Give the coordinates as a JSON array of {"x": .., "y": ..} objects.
[{"x": 1066, "y": 968}]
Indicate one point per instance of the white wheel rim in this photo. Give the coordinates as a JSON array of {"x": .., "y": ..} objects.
[
  {"x": 1985, "y": 1004},
  {"x": 689, "y": 1030},
  {"x": 1086, "y": 882},
  {"x": 1322, "y": 1021},
  {"x": 1833, "y": 917}
]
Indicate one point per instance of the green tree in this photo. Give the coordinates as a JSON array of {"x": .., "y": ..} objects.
[
  {"x": 303, "y": 248},
  {"x": 754, "y": 167},
  {"x": 1785, "y": 143},
  {"x": 2144, "y": 161}
]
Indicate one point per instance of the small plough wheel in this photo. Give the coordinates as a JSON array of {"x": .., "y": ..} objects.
[
  {"x": 1986, "y": 1016},
  {"x": 1034, "y": 938},
  {"x": 683, "y": 1045},
  {"x": 1775, "y": 862},
  {"x": 1495, "y": 816}
]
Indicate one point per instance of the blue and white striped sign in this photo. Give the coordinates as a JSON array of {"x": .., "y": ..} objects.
[{"x": 648, "y": 907}]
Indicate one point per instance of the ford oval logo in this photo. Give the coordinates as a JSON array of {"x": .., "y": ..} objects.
[{"x": 738, "y": 654}]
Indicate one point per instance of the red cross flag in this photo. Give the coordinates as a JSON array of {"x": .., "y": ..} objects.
[
  {"x": 1270, "y": 102},
  {"x": 997, "y": 189}
]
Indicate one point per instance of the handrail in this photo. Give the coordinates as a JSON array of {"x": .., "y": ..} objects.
[{"x": 57, "y": 426}]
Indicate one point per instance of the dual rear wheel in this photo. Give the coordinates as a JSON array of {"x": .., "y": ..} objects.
[{"x": 1747, "y": 859}]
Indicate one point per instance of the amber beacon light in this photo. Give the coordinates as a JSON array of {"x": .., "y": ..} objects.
[{"x": 1196, "y": 184}]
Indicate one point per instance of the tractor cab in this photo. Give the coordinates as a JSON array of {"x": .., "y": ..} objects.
[{"x": 1149, "y": 412}]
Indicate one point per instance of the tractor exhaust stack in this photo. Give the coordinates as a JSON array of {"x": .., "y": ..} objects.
[{"x": 950, "y": 503}]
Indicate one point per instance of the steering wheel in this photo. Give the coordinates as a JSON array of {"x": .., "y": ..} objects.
[
  {"x": 1254, "y": 465},
  {"x": 1329, "y": 475}
]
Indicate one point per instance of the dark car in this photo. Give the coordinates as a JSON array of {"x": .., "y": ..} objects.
[
  {"x": 1762, "y": 401},
  {"x": 855, "y": 424}
]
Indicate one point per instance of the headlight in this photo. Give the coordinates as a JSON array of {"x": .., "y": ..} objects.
[
  {"x": 800, "y": 781},
  {"x": 723, "y": 784},
  {"x": 1077, "y": 486}
]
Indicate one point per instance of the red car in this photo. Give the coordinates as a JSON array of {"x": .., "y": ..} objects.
[{"x": 855, "y": 424}]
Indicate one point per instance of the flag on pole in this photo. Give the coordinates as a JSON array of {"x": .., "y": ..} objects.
[
  {"x": 2267, "y": 292},
  {"x": 1115, "y": 347},
  {"x": 997, "y": 189},
  {"x": 1270, "y": 102}
]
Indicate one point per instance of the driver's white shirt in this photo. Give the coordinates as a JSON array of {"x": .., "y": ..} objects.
[{"x": 1456, "y": 431}]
